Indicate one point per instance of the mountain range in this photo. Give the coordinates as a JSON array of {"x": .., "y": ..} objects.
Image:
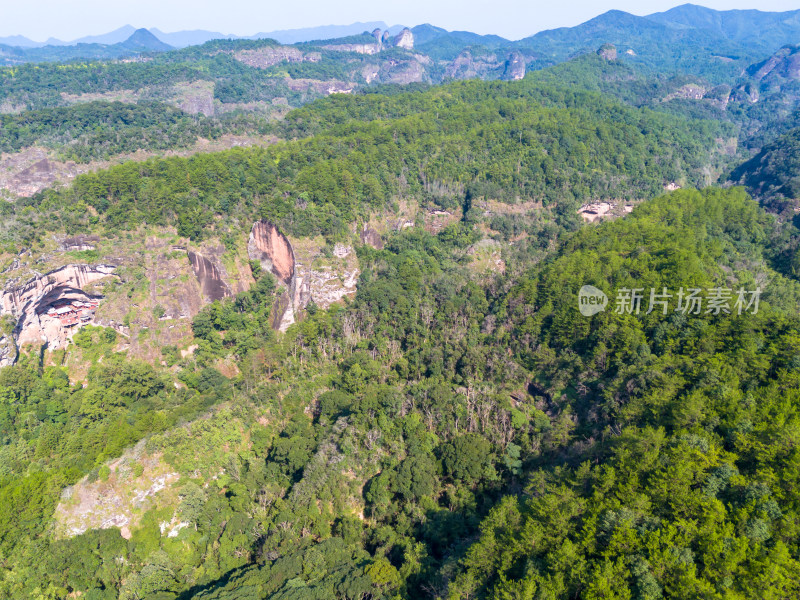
[
  {"x": 181, "y": 39},
  {"x": 753, "y": 27},
  {"x": 688, "y": 38}
]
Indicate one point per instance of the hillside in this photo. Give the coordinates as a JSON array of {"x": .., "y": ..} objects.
[
  {"x": 772, "y": 174},
  {"x": 403, "y": 313}
]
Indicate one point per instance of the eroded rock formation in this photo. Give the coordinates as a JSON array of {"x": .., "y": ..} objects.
[
  {"x": 514, "y": 68},
  {"x": 263, "y": 58},
  {"x": 404, "y": 39},
  {"x": 323, "y": 284},
  {"x": 371, "y": 237},
  {"x": 607, "y": 52},
  {"x": 272, "y": 249},
  {"x": 357, "y": 48},
  {"x": 79, "y": 243},
  {"x": 212, "y": 285},
  {"x": 50, "y": 308}
]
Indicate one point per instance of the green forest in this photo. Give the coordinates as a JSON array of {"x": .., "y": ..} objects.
[
  {"x": 356, "y": 155},
  {"x": 437, "y": 419},
  {"x": 652, "y": 457}
]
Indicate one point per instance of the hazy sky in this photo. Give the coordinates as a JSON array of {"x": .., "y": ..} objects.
[{"x": 69, "y": 19}]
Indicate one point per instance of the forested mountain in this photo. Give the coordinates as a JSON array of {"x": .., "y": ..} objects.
[
  {"x": 772, "y": 174},
  {"x": 307, "y": 321}
]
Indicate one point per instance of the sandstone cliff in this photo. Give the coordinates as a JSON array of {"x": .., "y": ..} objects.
[
  {"x": 303, "y": 270},
  {"x": 49, "y": 308},
  {"x": 404, "y": 39},
  {"x": 212, "y": 286},
  {"x": 514, "y": 68}
]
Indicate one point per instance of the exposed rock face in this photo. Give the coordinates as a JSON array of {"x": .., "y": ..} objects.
[
  {"x": 370, "y": 237},
  {"x": 30, "y": 171},
  {"x": 784, "y": 64},
  {"x": 357, "y": 48},
  {"x": 403, "y": 72},
  {"x": 120, "y": 501},
  {"x": 272, "y": 249},
  {"x": 515, "y": 67},
  {"x": 370, "y": 73},
  {"x": 209, "y": 277},
  {"x": 315, "y": 86},
  {"x": 304, "y": 280},
  {"x": 16, "y": 300},
  {"x": 404, "y": 39},
  {"x": 328, "y": 284},
  {"x": 690, "y": 91},
  {"x": 263, "y": 58},
  {"x": 607, "y": 52},
  {"x": 50, "y": 308},
  {"x": 79, "y": 243},
  {"x": 593, "y": 212},
  {"x": 467, "y": 65},
  {"x": 198, "y": 105}
]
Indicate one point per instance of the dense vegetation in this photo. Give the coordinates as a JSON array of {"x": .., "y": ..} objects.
[
  {"x": 652, "y": 454},
  {"x": 772, "y": 174},
  {"x": 102, "y": 129},
  {"x": 443, "y": 146},
  {"x": 449, "y": 431}
]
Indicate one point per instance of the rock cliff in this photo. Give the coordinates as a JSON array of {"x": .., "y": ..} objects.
[
  {"x": 404, "y": 39},
  {"x": 514, "y": 68},
  {"x": 212, "y": 285},
  {"x": 306, "y": 273},
  {"x": 607, "y": 52},
  {"x": 50, "y": 308},
  {"x": 272, "y": 249},
  {"x": 262, "y": 58}
]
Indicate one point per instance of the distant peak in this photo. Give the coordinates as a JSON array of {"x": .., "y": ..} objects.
[{"x": 143, "y": 39}]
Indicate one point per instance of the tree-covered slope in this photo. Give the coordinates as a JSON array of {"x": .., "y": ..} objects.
[
  {"x": 674, "y": 472},
  {"x": 103, "y": 129},
  {"x": 773, "y": 175},
  {"x": 506, "y": 141},
  {"x": 436, "y": 438},
  {"x": 448, "y": 431}
]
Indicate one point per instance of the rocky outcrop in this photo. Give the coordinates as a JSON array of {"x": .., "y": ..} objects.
[
  {"x": 607, "y": 52},
  {"x": 15, "y": 300},
  {"x": 404, "y": 39},
  {"x": 370, "y": 237},
  {"x": 690, "y": 91},
  {"x": 326, "y": 284},
  {"x": 315, "y": 86},
  {"x": 50, "y": 308},
  {"x": 262, "y": 58},
  {"x": 402, "y": 72},
  {"x": 30, "y": 171},
  {"x": 378, "y": 35},
  {"x": 469, "y": 65},
  {"x": 312, "y": 278},
  {"x": 783, "y": 65},
  {"x": 136, "y": 482},
  {"x": 514, "y": 68},
  {"x": 212, "y": 285},
  {"x": 79, "y": 243},
  {"x": 357, "y": 48},
  {"x": 272, "y": 249}
]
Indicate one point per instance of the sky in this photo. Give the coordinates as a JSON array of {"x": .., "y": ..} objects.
[{"x": 513, "y": 19}]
